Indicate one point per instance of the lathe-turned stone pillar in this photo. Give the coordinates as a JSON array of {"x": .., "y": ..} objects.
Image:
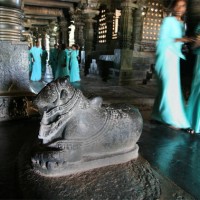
[
  {"x": 126, "y": 42},
  {"x": 11, "y": 20},
  {"x": 52, "y": 34},
  {"x": 89, "y": 21},
  {"x": 79, "y": 31},
  {"x": 64, "y": 29},
  {"x": 137, "y": 31},
  {"x": 14, "y": 71}
]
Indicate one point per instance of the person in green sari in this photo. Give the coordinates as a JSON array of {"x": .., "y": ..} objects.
[
  {"x": 61, "y": 63},
  {"x": 193, "y": 108},
  {"x": 67, "y": 56},
  {"x": 44, "y": 59},
  {"x": 169, "y": 106},
  {"x": 53, "y": 59}
]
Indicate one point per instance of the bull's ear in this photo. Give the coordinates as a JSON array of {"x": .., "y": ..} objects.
[{"x": 63, "y": 94}]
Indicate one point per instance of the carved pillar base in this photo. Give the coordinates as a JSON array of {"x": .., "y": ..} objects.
[
  {"x": 14, "y": 80},
  {"x": 13, "y": 107}
]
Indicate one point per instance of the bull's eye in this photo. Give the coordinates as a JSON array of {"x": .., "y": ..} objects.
[{"x": 50, "y": 94}]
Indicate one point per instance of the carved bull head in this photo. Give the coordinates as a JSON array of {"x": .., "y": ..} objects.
[{"x": 54, "y": 94}]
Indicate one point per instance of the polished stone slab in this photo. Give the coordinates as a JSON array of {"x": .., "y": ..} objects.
[{"x": 174, "y": 153}]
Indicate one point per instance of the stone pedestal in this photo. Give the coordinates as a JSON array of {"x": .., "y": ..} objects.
[
  {"x": 14, "y": 67},
  {"x": 131, "y": 180},
  {"x": 14, "y": 80}
]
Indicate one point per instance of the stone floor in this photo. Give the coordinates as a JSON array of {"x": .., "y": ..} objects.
[{"x": 173, "y": 154}]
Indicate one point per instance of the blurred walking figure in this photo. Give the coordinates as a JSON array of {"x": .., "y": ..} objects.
[
  {"x": 193, "y": 108},
  {"x": 169, "y": 106}
]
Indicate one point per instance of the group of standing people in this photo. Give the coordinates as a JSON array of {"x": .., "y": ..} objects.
[
  {"x": 64, "y": 61},
  {"x": 170, "y": 106}
]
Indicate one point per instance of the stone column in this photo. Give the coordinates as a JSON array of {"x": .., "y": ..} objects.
[
  {"x": 11, "y": 20},
  {"x": 126, "y": 30},
  {"x": 137, "y": 31},
  {"x": 52, "y": 34},
  {"x": 52, "y": 40},
  {"x": 81, "y": 40},
  {"x": 89, "y": 21},
  {"x": 64, "y": 29},
  {"x": 79, "y": 36},
  {"x": 14, "y": 70}
]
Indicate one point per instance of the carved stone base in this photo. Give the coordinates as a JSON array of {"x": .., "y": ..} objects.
[
  {"x": 14, "y": 107},
  {"x": 132, "y": 180}
]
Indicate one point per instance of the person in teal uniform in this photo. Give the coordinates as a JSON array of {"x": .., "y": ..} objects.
[
  {"x": 169, "y": 106},
  {"x": 61, "y": 64},
  {"x": 74, "y": 65},
  {"x": 44, "y": 59},
  {"x": 36, "y": 53},
  {"x": 193, "y": 108},
  {"x": 67, "y": 56},
  {"x": 53, "y": 59}
]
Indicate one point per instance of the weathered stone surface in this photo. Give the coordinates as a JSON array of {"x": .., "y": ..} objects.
[
  {"x": 14, "y": 71},
  {"x": 131, "y": 180},
  {"x": 79, "y": 134}
]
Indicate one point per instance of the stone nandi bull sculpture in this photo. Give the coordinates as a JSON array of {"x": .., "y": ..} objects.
[{"x": 79, "y": 134}]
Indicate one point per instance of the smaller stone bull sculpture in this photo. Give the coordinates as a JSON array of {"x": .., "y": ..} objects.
[{"x": 79, "y": 134}]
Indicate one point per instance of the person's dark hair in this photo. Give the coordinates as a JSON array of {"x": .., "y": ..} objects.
[
  {"x": 174, "y": 2},
  {"x": 74, "y": 45}
]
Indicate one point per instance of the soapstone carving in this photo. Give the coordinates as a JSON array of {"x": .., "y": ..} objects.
[{"x": 79, "y": 134}]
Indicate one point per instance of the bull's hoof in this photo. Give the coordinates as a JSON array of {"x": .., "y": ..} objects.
[{"x": 65, "y": 162}]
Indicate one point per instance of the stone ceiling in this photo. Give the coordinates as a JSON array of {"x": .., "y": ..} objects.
[
  {"x": 44, "y": 12},
  {"x": 39, "y": 13}
]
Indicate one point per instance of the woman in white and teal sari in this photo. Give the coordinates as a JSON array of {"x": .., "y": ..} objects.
[{"x": 169, "y": 106}]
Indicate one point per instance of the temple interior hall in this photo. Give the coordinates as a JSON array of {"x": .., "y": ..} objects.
[{"x": 117, "y": 44}]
